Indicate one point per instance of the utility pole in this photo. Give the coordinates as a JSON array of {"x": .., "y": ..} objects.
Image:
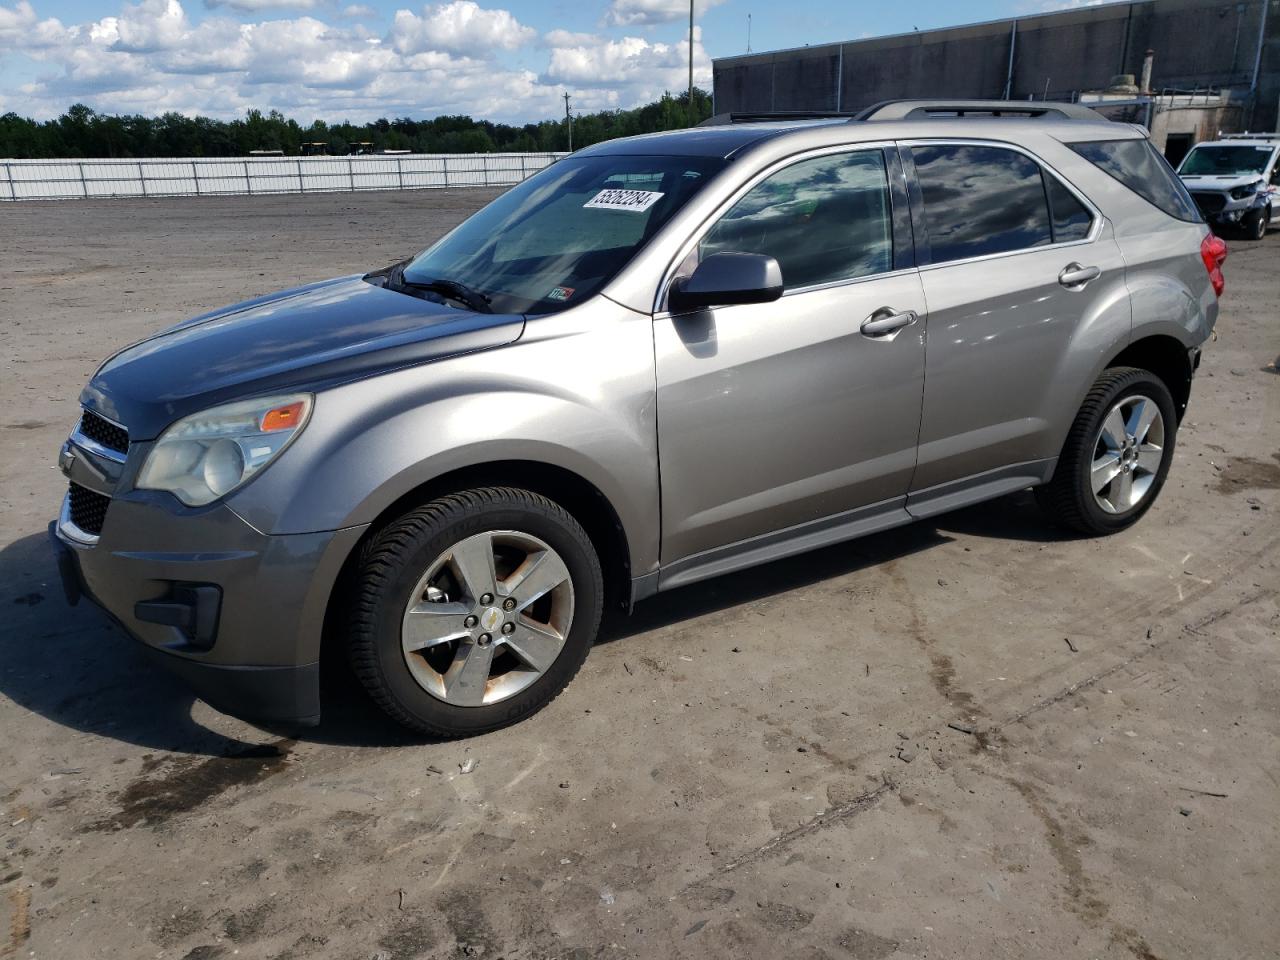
[
  {"x": 568, "y": 117},
  {"x": 691, "y": 63},
  {"x": 748, "y": 33}
]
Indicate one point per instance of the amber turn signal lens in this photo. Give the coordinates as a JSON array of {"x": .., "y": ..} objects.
[{"x": 282, "y": 418}]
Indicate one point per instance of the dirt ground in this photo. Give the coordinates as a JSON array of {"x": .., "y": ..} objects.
[{"x": 972, "y": 738}]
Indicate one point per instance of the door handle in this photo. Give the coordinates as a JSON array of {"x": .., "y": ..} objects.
[
  {"x": 886, "y": 321},
  {"x": 1074, "y": 276}
]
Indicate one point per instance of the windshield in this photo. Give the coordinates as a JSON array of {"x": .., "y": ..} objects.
[
  {"x": 559, "y": 236},
  {"x": 1233, "y": 161}
]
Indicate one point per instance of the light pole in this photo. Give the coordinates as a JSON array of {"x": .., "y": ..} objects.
[
  {"x": 691, "y": 63},
  {"x": 568, "y": 118}
]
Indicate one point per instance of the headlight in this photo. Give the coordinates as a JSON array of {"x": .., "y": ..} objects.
[
  {"x": 207, "y": 455},
  {"x": 1248, "y": 190}
]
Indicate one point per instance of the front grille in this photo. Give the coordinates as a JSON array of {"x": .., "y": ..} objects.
[
  {"x": 1209, "y": 203},
  {"x": 103, "y": 431},
  {"x": 88, "y": 509}
]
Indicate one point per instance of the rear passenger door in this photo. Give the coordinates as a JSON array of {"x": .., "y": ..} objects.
[{"x": 1019, "y": 271}]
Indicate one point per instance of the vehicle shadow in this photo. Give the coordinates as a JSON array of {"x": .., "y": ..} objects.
[
  {"x": 1014, "y": 517},
  {"x": 73, "y": 666},
  {"x": 77, "y": 668}
]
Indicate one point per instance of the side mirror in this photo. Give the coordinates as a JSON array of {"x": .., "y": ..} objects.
[{"x": 727, "y": 278}]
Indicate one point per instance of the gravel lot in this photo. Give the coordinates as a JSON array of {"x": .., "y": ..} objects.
[{"x": 757, "y": 766}]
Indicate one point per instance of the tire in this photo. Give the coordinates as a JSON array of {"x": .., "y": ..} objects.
[
  {"x": 448, "y": 688},
  {"x": 1073, "y": 498},
  {"x": 1254, "y": 226}
]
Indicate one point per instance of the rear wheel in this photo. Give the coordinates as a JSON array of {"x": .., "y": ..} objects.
[
  {"x": 474, "y": 611},
  {"x": 1117, "y": 454}
]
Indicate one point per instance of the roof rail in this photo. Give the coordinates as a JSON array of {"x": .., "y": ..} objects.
[
  {"x": 921, "y": 109},
  {"x": 723, "y": 119},
  {"x": 1250, "y": 136}
]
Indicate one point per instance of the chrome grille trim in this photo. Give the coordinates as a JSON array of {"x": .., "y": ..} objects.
[
  {"x": 67, "y": 529},
  {"x": 86, "y": 442}
]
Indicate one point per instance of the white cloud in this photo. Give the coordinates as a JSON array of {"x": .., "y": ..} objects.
[
  {"x": 643, "y": 70},
  {"x": 461, "y": 27},
  {"x": 151, "y": 57},
  {"x": 21, "y": 28},
  {"x": 1054, "y": 6},
  {"x": 17, "y": 18},
  {"x": 566, "y": 38},
  {"x": 257, "y": 6},
  {"x": 646, "y": 13},
  {"x": 149, "y": 26}
]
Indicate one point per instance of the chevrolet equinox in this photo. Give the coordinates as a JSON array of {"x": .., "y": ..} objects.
[{"x": 660, "y": 359}]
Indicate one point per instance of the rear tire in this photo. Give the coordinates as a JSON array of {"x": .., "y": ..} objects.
[
  {"x": 474, "y": 611},
  {"x": 1116, "y": 456}
]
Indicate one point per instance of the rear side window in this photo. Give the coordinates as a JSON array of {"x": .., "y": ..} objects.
[
  {"x": 1139, "y": 166},
  {"x": 980, "y": 200},
  {"x": 824, "y": 220}
]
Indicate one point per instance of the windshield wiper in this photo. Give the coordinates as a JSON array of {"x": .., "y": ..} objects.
[
  {"x": 454, "y": 290},
  {"x": 451, "y": 289}
]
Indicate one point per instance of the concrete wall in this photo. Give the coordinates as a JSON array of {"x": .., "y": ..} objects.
[{"x": 1198, "y": 43}]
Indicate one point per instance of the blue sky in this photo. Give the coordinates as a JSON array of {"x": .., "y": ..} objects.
[{"x": 360, "y": 59}]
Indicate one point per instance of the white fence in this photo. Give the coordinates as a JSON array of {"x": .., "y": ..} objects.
[{"x": 212, "y": 176}]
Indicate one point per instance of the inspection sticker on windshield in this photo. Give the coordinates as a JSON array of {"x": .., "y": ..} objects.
[{"x": 636, "y": 201}]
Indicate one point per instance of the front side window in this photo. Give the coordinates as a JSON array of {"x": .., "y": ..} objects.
[
  {"x": 824, "y": 220},
  {"x": 980, "y": 200},
  {"x": 558, "y": 237}
]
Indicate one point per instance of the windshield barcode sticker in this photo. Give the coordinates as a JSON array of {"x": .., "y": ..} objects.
[{"x": 635, "y": 200}]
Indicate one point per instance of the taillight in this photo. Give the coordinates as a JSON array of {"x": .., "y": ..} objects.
[{"x": 1213, "y": 251}]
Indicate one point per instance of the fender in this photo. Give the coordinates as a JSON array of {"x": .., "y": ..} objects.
[
  {"x": 1170, "y": 296},
  {"x": 576, "y": 392}
]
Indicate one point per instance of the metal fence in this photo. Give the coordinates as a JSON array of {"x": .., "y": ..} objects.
[{"x": 209, "y": 176}]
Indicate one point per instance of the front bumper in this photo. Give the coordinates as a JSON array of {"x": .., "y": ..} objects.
[
  {"x": 1222, "y": 208},
  {"x": 236, "y": 613}
]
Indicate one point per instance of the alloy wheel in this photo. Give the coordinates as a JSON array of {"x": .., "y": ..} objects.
[
  {"x": 1128, "y": 452},
  {"x": 488, "y": 618}
]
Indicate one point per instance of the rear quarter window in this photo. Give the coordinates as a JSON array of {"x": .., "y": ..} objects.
[{"x": 1140, "y": 167}]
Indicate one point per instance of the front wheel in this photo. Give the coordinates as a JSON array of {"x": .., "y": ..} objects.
[
  {"x": 1254, "y": 226},
  {"x": 1117, "y": 454},
  {"x": 474, "y": 611}
]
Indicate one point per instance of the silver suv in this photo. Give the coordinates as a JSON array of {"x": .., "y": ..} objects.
[{"x": 659, "y": 360}]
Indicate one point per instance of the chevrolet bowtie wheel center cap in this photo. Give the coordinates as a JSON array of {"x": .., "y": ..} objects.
[{"x": 490, "y": 619}]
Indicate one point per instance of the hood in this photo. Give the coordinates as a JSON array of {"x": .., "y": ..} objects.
[
  {"x": 1218, "y": 182},
  {"x": 302, "y": 339}
]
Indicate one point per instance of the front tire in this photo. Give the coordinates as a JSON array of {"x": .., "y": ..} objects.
[
  {"x": 474, "y": 611},
  {"x": 1254, "y": 226},
  {"x": 1116, "y": 456}
]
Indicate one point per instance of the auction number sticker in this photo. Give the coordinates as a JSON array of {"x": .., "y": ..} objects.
[{"x": 636, "y": 201}]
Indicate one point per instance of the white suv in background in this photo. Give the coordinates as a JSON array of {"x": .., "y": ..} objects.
[{"x": 1234, "y": 181}]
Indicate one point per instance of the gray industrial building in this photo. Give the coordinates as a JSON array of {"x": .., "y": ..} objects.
[{"x": 1216, "y": 62}]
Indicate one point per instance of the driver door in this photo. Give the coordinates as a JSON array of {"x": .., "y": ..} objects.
[{"x": 786, "y": 418}]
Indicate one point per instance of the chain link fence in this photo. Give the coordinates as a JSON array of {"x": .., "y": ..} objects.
[{"x": 212, "y": 176}]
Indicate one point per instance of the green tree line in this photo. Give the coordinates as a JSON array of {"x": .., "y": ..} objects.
[{"x": 82, "y": 132}]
